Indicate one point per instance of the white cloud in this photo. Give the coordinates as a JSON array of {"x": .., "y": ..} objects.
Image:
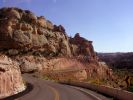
[{"x": 16, "y": 1}]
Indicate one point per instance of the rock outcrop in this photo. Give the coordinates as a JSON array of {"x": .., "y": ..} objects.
[
  {"x": 22, "y": 30},
  {"x": 10, "y": 77},
  {"x": 84, "y": 46},
  {"x": 36, "y": 44}
]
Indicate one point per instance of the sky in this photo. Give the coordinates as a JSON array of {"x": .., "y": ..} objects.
[{"x": 108, "y": 23}]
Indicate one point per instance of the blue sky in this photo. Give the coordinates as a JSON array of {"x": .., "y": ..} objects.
[{"x": 108, "y": 23}]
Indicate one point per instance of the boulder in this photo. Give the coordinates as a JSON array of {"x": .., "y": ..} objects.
[
  {"x": 30, "y": 64},
  {"x": 26, "y": 27},
  {"x": 10, "y": 78},
  {"x": 13, "y": 52},
  {"x": 29, "y": 17},
  {"x": 82, "y": 47},
  {"x": 59, "y": 28},
  {"x": 81, "y": 75},
  {"x": 49, "y": 25},
  {"x": 42, "y": 21},
  {"x": 21, "y": 38},
  {"x": 12, "y": 13}
]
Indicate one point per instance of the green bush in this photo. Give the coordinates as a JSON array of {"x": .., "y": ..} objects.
[{"x": 130, "y": 89}]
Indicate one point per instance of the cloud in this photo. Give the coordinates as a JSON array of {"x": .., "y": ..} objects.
[{"x": 17, "y": 1}]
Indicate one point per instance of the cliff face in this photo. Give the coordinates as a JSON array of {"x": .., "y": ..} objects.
[
  {"x": 25, "y": 32},
  {"x": 22, "y": 30},
  {"x": 10, "y": 77},
  {"x": 82, "y": 47},
  {"x": 36, "y": 44}
]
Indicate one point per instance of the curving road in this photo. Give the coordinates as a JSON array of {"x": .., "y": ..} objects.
[{"x": 46, "y": 90}]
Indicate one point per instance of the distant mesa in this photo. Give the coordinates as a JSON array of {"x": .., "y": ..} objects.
[{"x": 118, "y": 60}]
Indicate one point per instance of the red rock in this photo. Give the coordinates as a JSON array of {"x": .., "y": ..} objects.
[
  {"x": 10, "y": 77},
  {"x": 49, "y": 25},
  {"x": 37, "y": 36},
  {"x": 59, "y": 28},
  {"x": 82, "y": 47},
  {"x": 42, "y": 22}
]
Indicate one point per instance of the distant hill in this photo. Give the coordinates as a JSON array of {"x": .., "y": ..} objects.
[{"x": 118, "y": 60}]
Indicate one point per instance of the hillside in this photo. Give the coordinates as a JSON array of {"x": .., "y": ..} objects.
[{"x": 118, "y": 60}]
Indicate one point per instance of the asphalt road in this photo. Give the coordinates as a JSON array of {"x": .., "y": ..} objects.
[{"x": 46, "y": 90}]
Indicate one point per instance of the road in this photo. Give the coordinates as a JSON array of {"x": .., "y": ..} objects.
[{"x": 46, "y": 90}]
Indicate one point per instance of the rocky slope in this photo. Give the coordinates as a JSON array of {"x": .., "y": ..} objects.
[
  {"x": 122, "y": 65},
  {"x": 34, "y": 41},
  {"x": 37, "y": 45},
  {"x": 10, "y": 77},
  {"x": 24, "y": 31}
]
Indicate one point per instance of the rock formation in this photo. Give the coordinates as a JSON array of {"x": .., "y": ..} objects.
[
  {"x": 36, "y": 44},
  {"x": 83, "y": 47},
  {"x": 24, "y": 31},
  {"x": 10, "y": 77}
]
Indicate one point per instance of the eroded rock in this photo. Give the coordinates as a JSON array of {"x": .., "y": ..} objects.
[
  {"x": 34, "y": 36},
  {"x": 10, "y": 77}
]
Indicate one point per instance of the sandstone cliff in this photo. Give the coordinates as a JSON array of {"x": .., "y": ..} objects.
[
  {"x": 37, "y": 45},
  {"x": 10, "y": 77},
  {"x": 22, "y": 30}
]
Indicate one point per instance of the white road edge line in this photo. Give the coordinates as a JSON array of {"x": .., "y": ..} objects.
[{"x": 85, "y": 91}]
